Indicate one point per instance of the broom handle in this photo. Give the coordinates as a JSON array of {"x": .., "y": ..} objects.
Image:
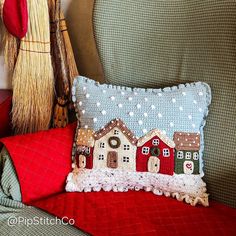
[{"x": 61, "y": 55}]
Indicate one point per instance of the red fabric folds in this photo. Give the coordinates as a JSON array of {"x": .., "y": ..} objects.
[
  {"x": 15, "y": 17},
  {"x": 139, "y": 213},
  {"x": 42, "y": 161}
]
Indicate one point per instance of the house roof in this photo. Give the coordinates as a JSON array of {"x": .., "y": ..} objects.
[
  {"x": 121, "y": 126},
  {"x": 85, "y": 137},
  {"x": 153, "y": 133},
  {"x": 187, "y": 141}
]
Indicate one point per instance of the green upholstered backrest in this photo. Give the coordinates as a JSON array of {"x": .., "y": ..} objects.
[{"x": 157, "y": 43}]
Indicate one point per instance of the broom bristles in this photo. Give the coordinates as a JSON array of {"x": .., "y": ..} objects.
[
  {"x": 11, "y": 49},
  {"x": 33, "y": 76}
]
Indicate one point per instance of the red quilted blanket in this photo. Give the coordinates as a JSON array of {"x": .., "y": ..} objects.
[
  {"x": 140, "y": 213},
  {"x": 42, "y": 162}
]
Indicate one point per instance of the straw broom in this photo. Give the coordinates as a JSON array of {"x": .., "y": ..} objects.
[
  {"x": 63, "y": 63},
  {"x": 70, "y": 59},
  {"x": 33, "y": 83}
]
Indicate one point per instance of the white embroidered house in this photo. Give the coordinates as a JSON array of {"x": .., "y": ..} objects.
[{"x": 115, "y": 147}]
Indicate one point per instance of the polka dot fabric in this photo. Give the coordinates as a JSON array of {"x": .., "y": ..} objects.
[{"x": 181, "y": 108}]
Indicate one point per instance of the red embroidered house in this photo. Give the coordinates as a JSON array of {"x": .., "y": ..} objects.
[
  {"x": 85, "y": 145},
  {"x": 155, "y": 153}
]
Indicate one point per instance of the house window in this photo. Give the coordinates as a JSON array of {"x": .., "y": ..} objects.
[
  {"x": 180, "y": 154},
  {"x": 188, "y": 155},
  {"x": 116, "y": 132},
  {"x": 102, "y": 145},
  {"x": 155, "y": 142},
  {"x": 145, "y": 150},
  {"x": 195, "y": 156},
  {"x": 166, "y": 152},
  {"x": 126, "y": 147},
  {"x": 100, "y": 157},
  {"x": 125, "y": 159}
]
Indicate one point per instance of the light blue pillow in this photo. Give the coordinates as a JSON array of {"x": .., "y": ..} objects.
[{"x": 181, "y": 108}]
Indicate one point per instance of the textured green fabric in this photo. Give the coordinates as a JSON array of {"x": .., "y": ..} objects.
[
  {"x": 153, "y": 43},
  {"x": 9, "y": 185}
]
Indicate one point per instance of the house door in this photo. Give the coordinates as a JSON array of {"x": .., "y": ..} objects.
[
  {"x": 188, "y": 167},
  {"x": 112, "y": 159},
  {"x": 82, "y": 161},
  {"x": 153, "y": 164}
]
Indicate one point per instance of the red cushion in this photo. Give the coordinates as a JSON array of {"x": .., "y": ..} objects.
[
  {"x": 139, "y": 213},
  {"x": 15, "y": 17},
  {"x": 42, "y": 161},
  {"x": 5, "y": 109}
]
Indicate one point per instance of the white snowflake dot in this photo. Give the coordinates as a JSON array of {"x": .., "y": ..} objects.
[
  {"x": 138, "y": 106},
  {"x": 194, "y": 101},
  {"x": 153, "y": 107},
  {"x": 98, "y": 104},
  {"x": 171, "y": 124},
  {"x": 163, "y": 131},
  {"x": 200, "y": 93},
  {"x": 190, "y": 117},
  {"x": 86, "y": 126},
  {"x": 159, "y": 115},
  {"x": 104, "y": 112},
  {"x": 145, "y": 99},
  {"x": 95, "y": 120},
  {"x": 159, "y": 94},
  {"x": 87, "y": 95},
  {"x": 84, "y": 88},
  {"x": 145, "y": 114},
  {"x": 140, "y": 122},
  {"x": 193, "y": 125},
  {"x": 144, "y": 131},
  {"x": 184, "y": 93},
  {"x": 112, "y": 98},
  {"x": 122, "y": 93},
  {"x": 83, "y": 111},
  {"x": 131, "y": 113},
  {"x": 120, "y": 105},
  {"x": 80, "y": 103},
  {"x": 130, "y": 98},
  {"x": 181, "y": 108},
  {"x": 200, "y": 109},
  {"x": 135, "y": 93},
  {"x": 173, "y": 100}
]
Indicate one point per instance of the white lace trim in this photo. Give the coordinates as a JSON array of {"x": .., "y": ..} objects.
[{"x": 188, "y": 188}]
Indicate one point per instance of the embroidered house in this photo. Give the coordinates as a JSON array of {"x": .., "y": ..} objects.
[
  {"x": 84, "y": 153},
  {"x": 187, "y": 147},
  {"x": 115, "y": 147},
  {"x": 155, "y": 153}
]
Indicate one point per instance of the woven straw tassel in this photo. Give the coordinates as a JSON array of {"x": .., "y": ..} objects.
[{"x": 33, "y": 83}]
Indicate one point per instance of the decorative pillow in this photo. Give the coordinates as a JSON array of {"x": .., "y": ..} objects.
[{"x": 149, "y": 139}]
